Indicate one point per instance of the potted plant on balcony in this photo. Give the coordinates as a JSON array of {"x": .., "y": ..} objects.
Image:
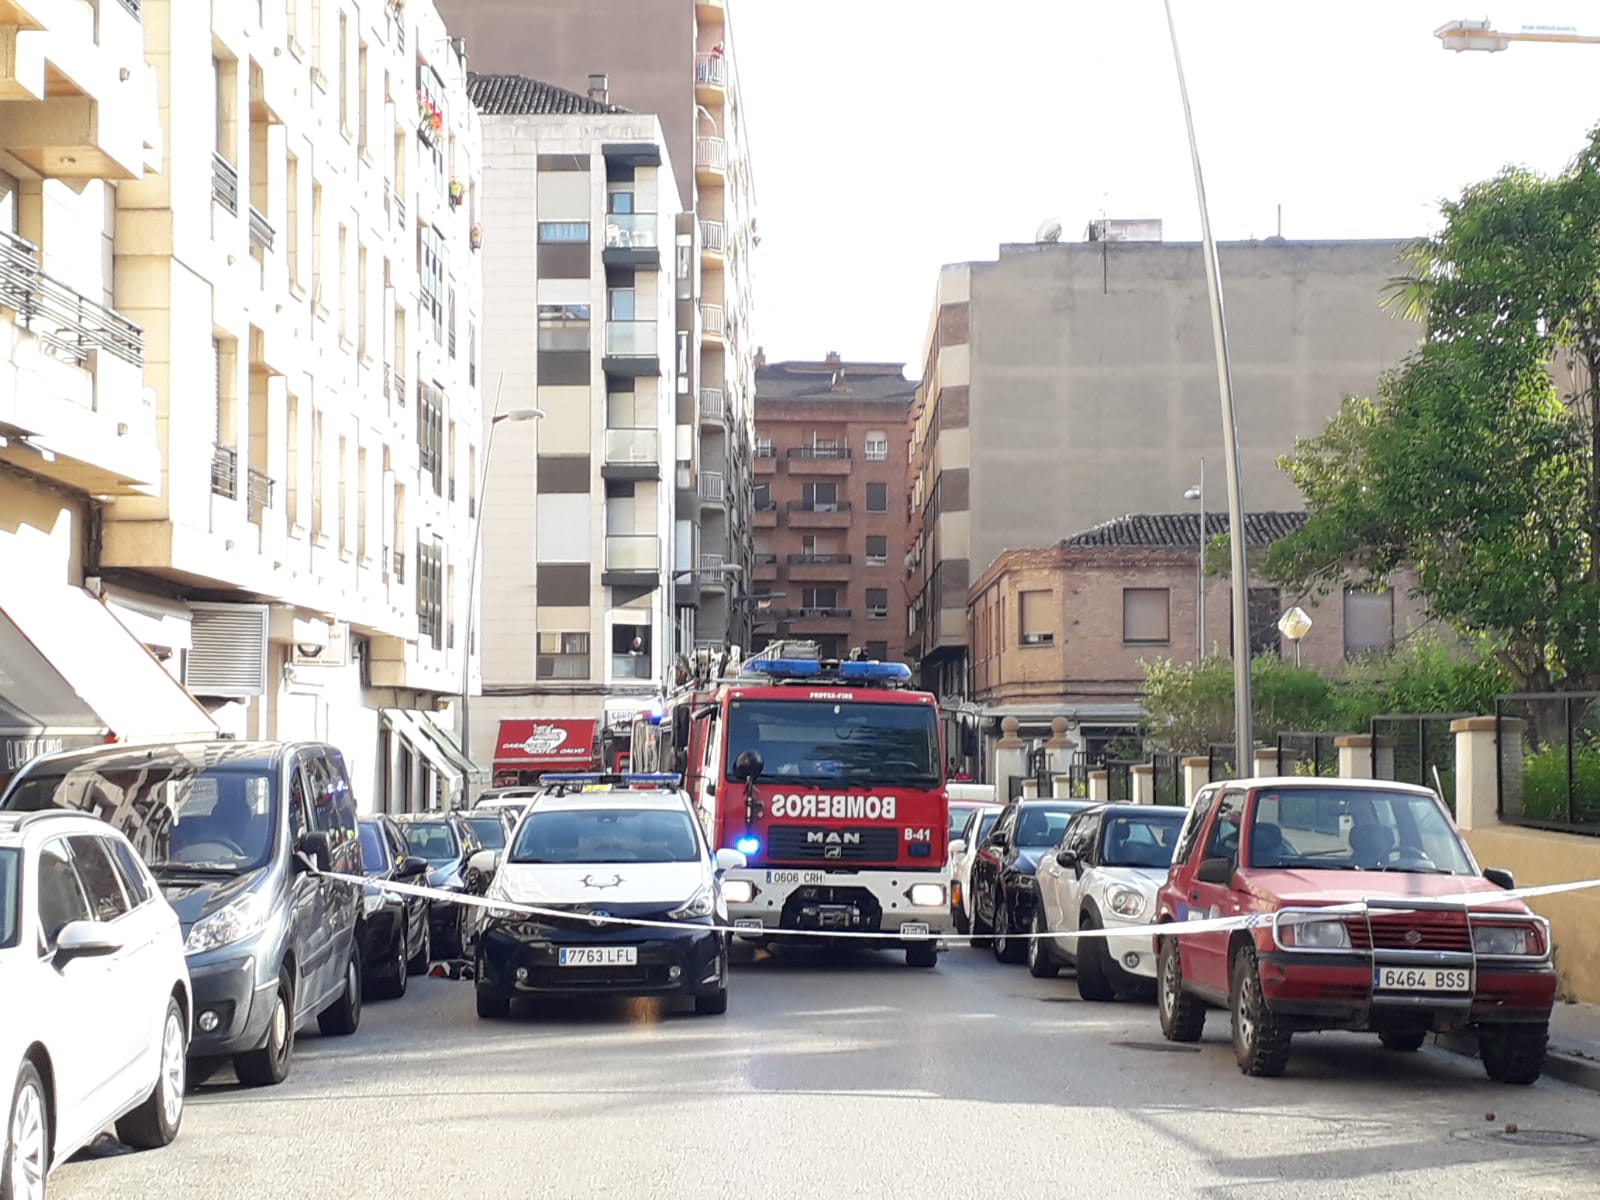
[
  {"x": 458, "y": 193},
  {"x": 431, "y": 117},
  {"x": 476, "y": 236}
]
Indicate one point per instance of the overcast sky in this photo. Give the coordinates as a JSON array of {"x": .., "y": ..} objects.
[{"x": 892, "y": 136}]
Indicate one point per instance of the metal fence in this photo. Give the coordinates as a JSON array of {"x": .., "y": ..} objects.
[
  {"x": 1166, "y": 778},
  {"x": 1221, "y": 763},
  {"x": 1410, "y": 747},
  {"x": 1119, "y": 779},
  {"x": 1308, "y": 754},
  {"x": 1548, "y": 767}
]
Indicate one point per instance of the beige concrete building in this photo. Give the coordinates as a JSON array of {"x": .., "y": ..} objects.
[
  {"x": 676, "y": 59},
  {"x": 1069, "y": 384},
  {"x": 306, "y": 272}
]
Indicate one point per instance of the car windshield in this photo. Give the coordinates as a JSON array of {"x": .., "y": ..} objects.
[
  {"x": 10, "y": 896},
  {"x": 433, "y": 840},
  {"x": 958, "y": 821},
  {"x": 490, "y": 830},
  {"x": 850, "y": 742},
  {"x": 374, "y": 857},
  {"x": 1040, "y": 825},
  {"x": 179, "y": 818},
  {"x": 1145, "y": 840},
  {"x": 1355, "y": 829},
  {"x": 606, "y": 836}
]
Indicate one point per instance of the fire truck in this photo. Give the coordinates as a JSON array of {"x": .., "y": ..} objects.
[{"x": 828, "y": 776}]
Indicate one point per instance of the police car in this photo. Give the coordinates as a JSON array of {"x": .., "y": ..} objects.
[{"x": 596, "y": 851}]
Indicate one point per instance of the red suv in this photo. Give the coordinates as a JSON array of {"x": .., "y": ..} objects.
[{"x": 1403, "y": 960}]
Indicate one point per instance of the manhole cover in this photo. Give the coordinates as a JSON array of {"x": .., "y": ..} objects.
[
  {"x": 1542, "y": 1137},
  {"x": 1158, "y": 1047}
]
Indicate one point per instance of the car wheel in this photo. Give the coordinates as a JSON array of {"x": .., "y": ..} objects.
[
  {"x": 1008, "y": 948},
  {"x": 1183, "y": 1017},
  {"x": 981, "y": 929},
  {"x": 423, "y": 959},
  {"x": 155, "y": 1122},
  {"x": 1042, "y": 963},
  {"x": 270, "y": 1064},
  {"x": 713, "y": 1005},
  {"x": 1094, "y": 976},
  {"x": 343, "y": 1016},
  {"x": 1404, "y": 1042},
  {"x": 492, "y": 1007},
  {"x": 1515, "y": 1055},
  {"x": 27, "y": 1145},
  {"x": 391, "y": 985},
  {"x": 1260, "y": 1037},
  {"x": 923, "y": 954}
]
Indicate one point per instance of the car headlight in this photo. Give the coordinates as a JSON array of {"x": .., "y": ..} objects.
[
  {"x": 738, "y": 891},
  {"x": 1321, "y": 935},
  {"x": 927, "y": 895},
  {"x": 496, "y": 892},
  {"x": 232, "y": 923},
  {"x": 1502, "y": 939},
  {"x": 1126, "y": 902},
  {"x": 696, "y": 906}
]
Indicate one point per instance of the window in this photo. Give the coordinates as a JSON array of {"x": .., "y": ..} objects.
[
  {"x": 100, "y": 877},
  {"x": 630, "y": 651},
  {"x": 430, "y": 89},
  {"x": 430, "y": 433},
  {"x": 61, "y": 899},
  {"x": 564, "y": 327},
  {"x": 764, "y": 447},
  {"x": 1191, "y": 828},
  {"x": 877, "y": 497},
  {"x": 430, "y": 281},
  {"x": 877, "y": 651},
  {"x": 815, "y": 598},
  {"x": 134, "y": 878},
  {"x": 619, "y": 199},
  {"x": 430, "y": 590},
  {"x": 1035, "y": 618},
  {"x": 878, "y": 603},
  {"x": 877, "y": 446},
  {"x": 1368, "y": 622},
  {"x": 822, "y": 497},
  {"x": 877, "y": 550},
  {"x": 1223, "y": 841},
  {"x": 761, "y": 495},
  {"x": 361, "y": 83},
  {"x": 563, "y": 656},
  {"x": 1145, "y": 616},
  {"x": 563, "y": 231},
  {"x": 620, "y": 304}
]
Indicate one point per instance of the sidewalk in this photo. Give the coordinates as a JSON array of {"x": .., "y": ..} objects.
[{"x": 1574, "y": 1045}]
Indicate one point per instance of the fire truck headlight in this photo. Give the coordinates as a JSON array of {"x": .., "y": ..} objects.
[
  {"x": 748, "y": 844},
  {"x": 927, "y": 895},
  {"x": 738, "y": 891}
]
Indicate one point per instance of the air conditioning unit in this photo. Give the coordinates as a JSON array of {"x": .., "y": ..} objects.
[{"x": 229, "y": 655}]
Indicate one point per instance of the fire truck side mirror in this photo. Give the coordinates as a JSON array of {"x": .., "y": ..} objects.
[
  {"x": 680, "y": 729},
  {"x": 749, "y": 765}
]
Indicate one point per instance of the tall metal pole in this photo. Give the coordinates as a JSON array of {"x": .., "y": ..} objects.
[
  {"x": 1243, "y": 726},
  {"x": 472, "y": 578},
  {"x": 1200, "y": 576}
]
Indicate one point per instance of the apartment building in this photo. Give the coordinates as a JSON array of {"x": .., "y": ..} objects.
[
  {"x": 676, "y": 59},
  {"x": 306, "y": 273},
  {"x": 580, "y": 507},
  {"x": 1068, "y": 384},
  {"x": 830, "y": 527},
  {"x": 78, "y": 427}
]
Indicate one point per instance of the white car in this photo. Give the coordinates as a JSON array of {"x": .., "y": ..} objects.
[
  {"x": 980, "y": 818},
  {"x": 1104, "y": 874},
  {"x": 84, "y": 932}
]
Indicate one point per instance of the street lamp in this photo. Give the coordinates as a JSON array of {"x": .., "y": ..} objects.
[
  {"x": 1294, "y": 625},
  {"x": 1479, "y": 35},
  {"x": 1243, "y": 716},
  {"x": 1198, "y": 492},
  {"x": 515, "y": 414}
]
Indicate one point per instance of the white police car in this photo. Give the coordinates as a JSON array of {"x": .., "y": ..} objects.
[{"x": 597, "y": 851}]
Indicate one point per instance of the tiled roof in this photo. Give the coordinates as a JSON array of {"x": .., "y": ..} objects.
[
  {"x": 1182, "y": 530},
  {"x": 519, "y": 96},
  {"x": 815, "y": 381}
]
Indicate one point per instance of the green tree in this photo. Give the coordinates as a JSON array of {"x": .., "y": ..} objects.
[{"x": 1476, "y": 460}]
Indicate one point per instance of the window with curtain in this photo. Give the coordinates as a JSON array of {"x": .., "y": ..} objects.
[{"x": 1146, "y": 616}]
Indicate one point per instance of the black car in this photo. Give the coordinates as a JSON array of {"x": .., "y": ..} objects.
[
  {"x": 448, "y": 844},
  {"x": 395, "y": 941},
  {"x": 491, "y": 826},
  {"x": 1003, "y": 886}
]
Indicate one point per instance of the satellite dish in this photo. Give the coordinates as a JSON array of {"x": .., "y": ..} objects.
[{"x": 1049, "y": 230}]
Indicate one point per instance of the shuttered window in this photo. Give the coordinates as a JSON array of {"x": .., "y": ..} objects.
[
  {"x": 1368, "y": 622},
  {"x": 1036, "y": 619},
  {"x": 1145, "y": 616}
]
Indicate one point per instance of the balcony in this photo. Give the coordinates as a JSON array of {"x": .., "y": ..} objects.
[
  {"x": 807, "y": 514},
  {"x": 710, "y": 160},
  {"x": 261, "y": 233},
  {"x": 713, "y": 489},
  {"x": 257, "y": 494},
  {"x": 713, "y": 405},
  {"x": 764, "y": 515},
  {"x": 632, "y": 560},
  {"x": 819, "y": 460},
  {"x": 632, "y": 240},
  {"x": 399, "y": 563},
  {"x": 764, "y": 461},
  {"x": 225, "y": 472},
  {"x": 711, "y": 574},
  {"x": 632, "y": 454},
  {"x": 711, "y": 75},
  {"x": 224, "y": 183},
  {"x": 72, "y": 327},
  {"x": 765, "y": 568},
  {"x": 814, "y": 617},
  {"x": 632, "y": 349},
  {"x": 713, "y": 321},
  {"x": 819, "y": 568},
  {"x": 630, "y": 666},
  {"x": 713, "y": 241}
]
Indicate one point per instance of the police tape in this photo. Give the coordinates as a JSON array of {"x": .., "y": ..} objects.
[{"x": 1178, "y": 928}]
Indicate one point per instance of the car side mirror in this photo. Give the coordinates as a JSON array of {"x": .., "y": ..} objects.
[
  {"x": 1068, "y": 859},
  {"x": 484, "y": 862},
  {"x": 1500, "y": 877},
  {"x": 1215, "y": 870},
  {"x": 749, "y": 765},
  {"x": 85, "y": 939},
  {"x": 731, "y": 860},
  {"x": 314, "y": 850},
  {"x": 410, "y": 867},
  {"x": 957, "y": 847}
]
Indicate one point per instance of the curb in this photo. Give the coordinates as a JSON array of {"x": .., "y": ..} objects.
[{"x": 1569, "y": 1068}]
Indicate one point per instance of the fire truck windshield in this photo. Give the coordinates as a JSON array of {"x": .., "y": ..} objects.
[{"x": 804, "y": 741}]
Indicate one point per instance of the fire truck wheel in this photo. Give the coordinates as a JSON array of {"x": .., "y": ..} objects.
[{"x": 922, "y": 954}]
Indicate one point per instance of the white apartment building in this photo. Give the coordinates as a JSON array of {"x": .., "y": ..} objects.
[
  {"x": 306, "y": 272},
  {"x": 78, "y": 429},
  {"x": 579, "y": 506}
]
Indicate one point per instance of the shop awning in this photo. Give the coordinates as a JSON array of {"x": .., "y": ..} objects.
[
  {"x": 560, "y": 745},
  {"x": 442, "y": 738},
  {"x": 407, "y": 727},
  {"x": 68, "y": 665}
]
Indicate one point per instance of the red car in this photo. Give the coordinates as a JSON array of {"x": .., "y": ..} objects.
[{"x": 1408, "y": 961}]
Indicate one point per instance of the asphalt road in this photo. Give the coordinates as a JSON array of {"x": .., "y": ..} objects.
[{"x": 847, "y": 1076}]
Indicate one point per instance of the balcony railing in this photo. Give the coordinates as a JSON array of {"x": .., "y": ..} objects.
[
  {"x": 400, "y": 209},
  {"x": 640, "y": 447},
  {"x": 134, "y": 7},
  {"x": 712, "y": 404},
  {"x": 71, "y": 325},
  {"x": 225, "y": 472},
  {"x": 819, "y": 506},
  {"x": 765, "y": 560},
  {"x": 631, "y": 339},
  {"x": 825, "y": 613},
  {"x": 631, "y": 231},
  {"x": 400, "y": 389},
  {"x": 763, "y": 506},
  {"x": 630, "y": 666},
  {"x": 711, "y": 568},
  {"x": 713, "y": 236},
  {"x": 711, "y": 69},
  {"x": 712, "y": 486},
  {"x": 224, "y": 183},
  {"x": 765, "y": 450},
  {"x": 819, "y": 451},
  {"x": 821, "y": 560},
  {"x": 711, "y": 153},
  {"x": 633, "y": 552},
  {"x": 713, "y": 320},
  {"x": 257, "y": 493},
  {"x": 399, "y": 560},
  {"x": 261, "y": 233}
]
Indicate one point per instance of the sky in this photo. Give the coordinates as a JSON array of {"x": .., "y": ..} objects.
[{"x": 889, "y": 137}]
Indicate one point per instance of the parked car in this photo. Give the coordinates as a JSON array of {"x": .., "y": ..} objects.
[
  {"x": 395, "y": 942},
  {"x": 1411, "y": 961},
  {"x": 975, "y": 826},
  {"x": 618, "y": 853},
  {"x": 83, "y": 925},
  {"x": 1104, "y": 874},
  {"x": 491, "y": 826},
  {"x": 448, "y": 843},
  {"x": 231, "y": 831},
  {"x": 1003, "y": 885}
]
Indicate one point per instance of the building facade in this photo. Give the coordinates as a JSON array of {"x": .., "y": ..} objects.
[
  {"x": 580, "y": 508},
  {"x": 676, "y": 59},
  {"x": 305, "y": 270},
  {"x": 830, "y": 526},
  {"x": 1068, "y": 384}
]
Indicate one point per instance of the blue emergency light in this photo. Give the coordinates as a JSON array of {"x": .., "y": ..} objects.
[
  {"x": 656, "y": 711},
  {"x": 748, "y": 844},
  {"x": 808, "y": 668},
  {"x": 786, "y": 668},
  {"x": 874, "y": 670}
]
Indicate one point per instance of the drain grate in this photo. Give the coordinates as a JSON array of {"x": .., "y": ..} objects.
[{"x": 1158, "y": 1047}]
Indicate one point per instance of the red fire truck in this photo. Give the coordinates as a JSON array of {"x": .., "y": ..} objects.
[{"x": 828, "y": 776}]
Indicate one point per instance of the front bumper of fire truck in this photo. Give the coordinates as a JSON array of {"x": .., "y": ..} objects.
[{"x": 903, "y": 906}]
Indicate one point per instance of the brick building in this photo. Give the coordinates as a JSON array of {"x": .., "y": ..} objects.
[{"x": 829, "y": 514}]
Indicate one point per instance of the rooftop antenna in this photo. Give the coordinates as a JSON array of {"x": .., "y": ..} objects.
[{"x": 1280, "y": 220}]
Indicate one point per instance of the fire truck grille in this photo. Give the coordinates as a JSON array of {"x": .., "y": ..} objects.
[{"x": 799, "y": 843}]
